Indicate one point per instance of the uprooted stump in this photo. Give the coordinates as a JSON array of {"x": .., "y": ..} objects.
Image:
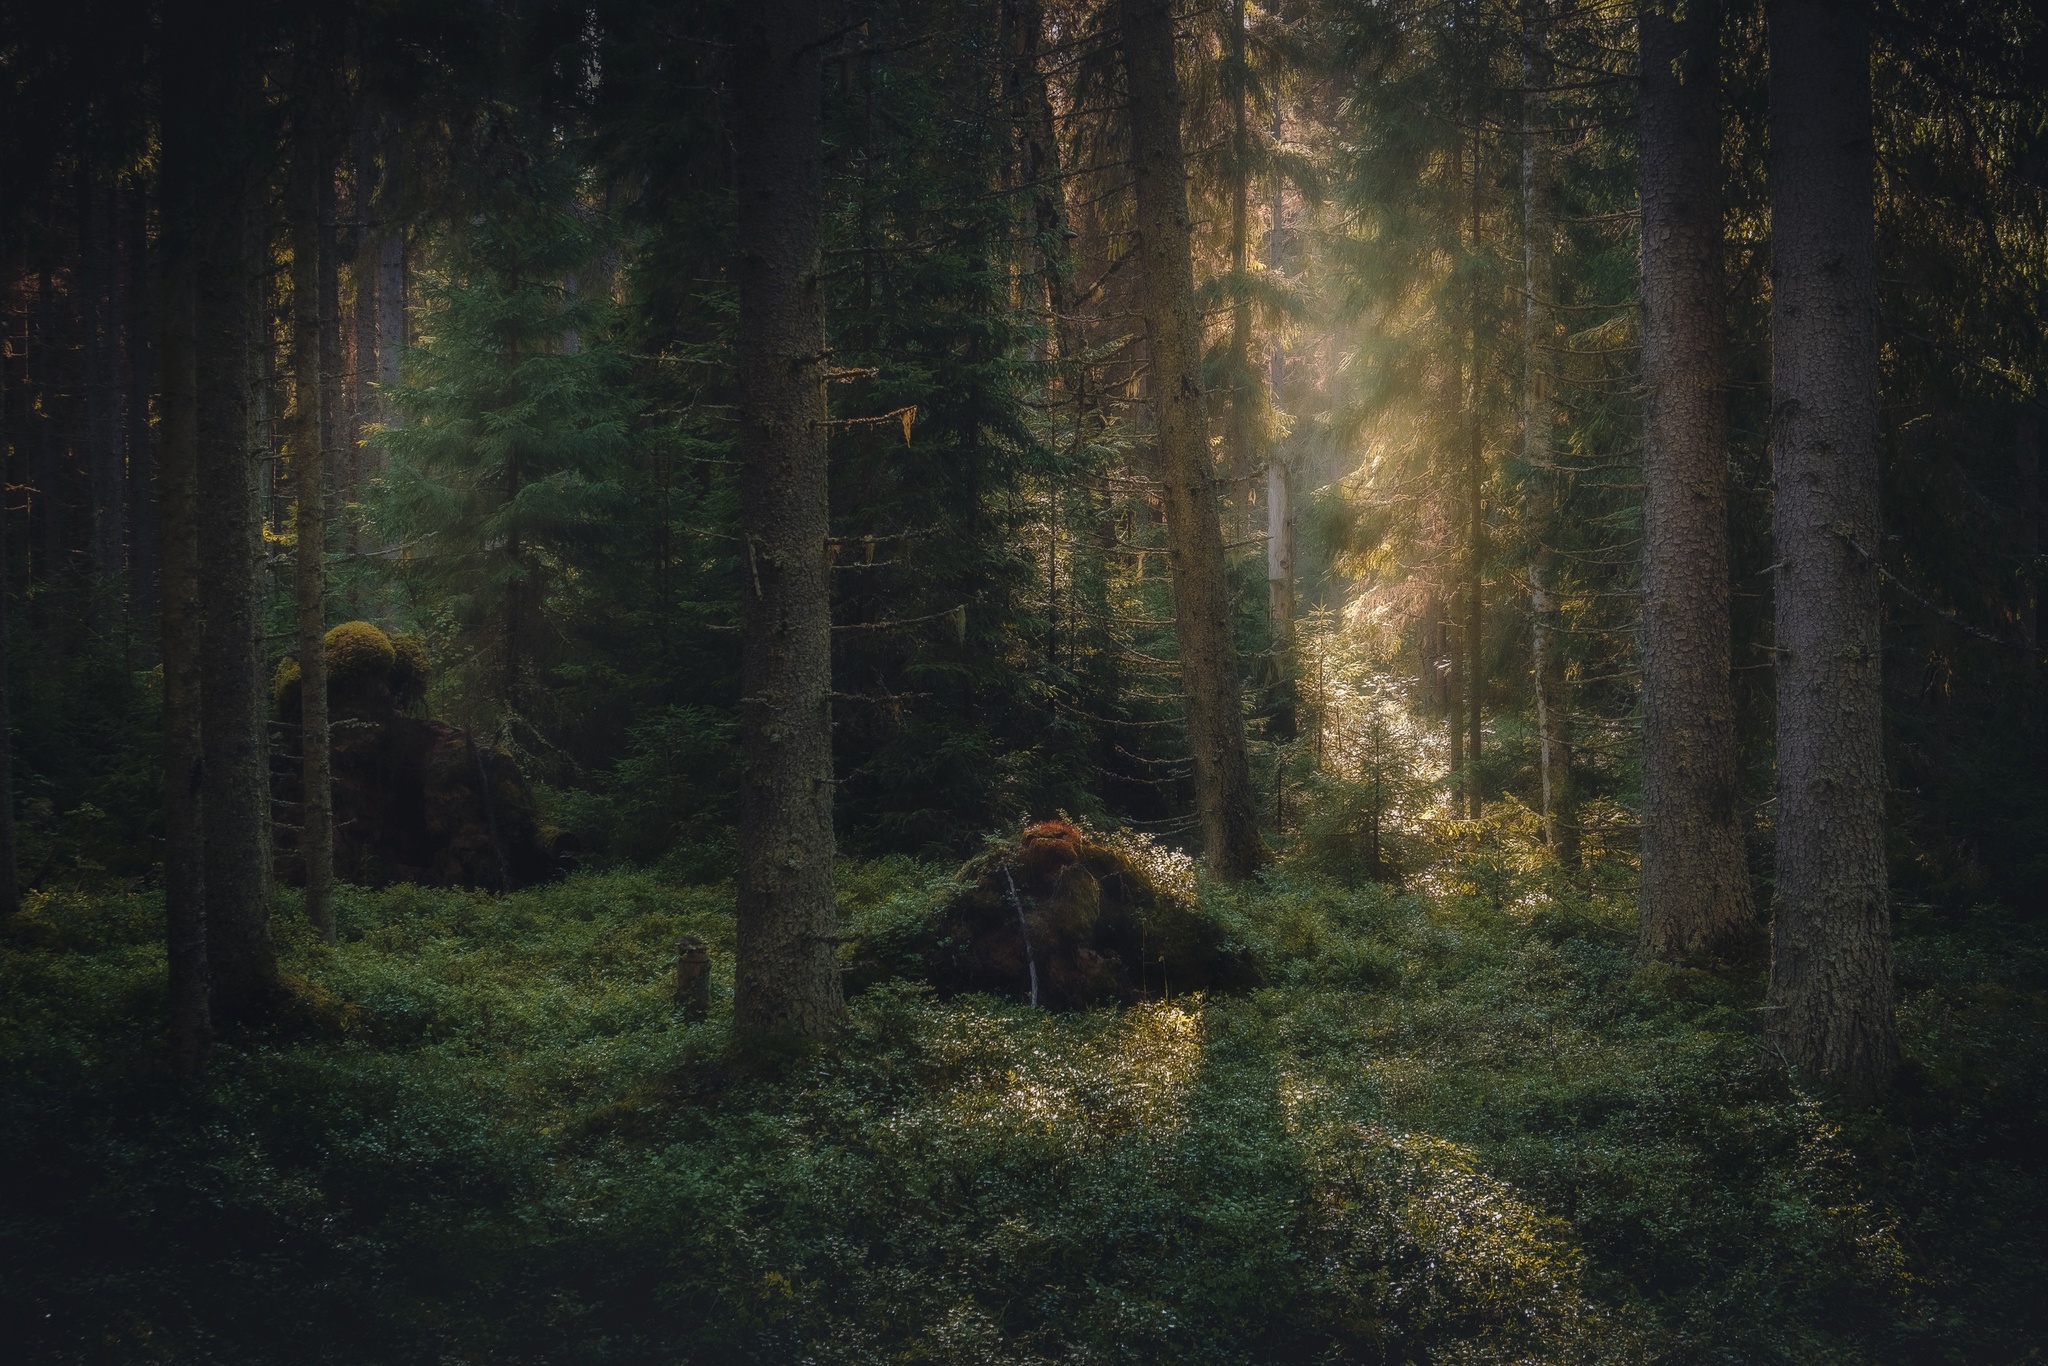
[
  {"x": 415, "y": 800},
  {"x": 1063, "y": 919}
]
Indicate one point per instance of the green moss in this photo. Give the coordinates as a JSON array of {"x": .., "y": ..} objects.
[
  {"x": 1446, "y": 1132},
  {"x": 358, "y": 651}
]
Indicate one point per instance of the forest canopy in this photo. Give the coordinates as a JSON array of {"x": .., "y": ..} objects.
[{"x": 1020, "y": 680}]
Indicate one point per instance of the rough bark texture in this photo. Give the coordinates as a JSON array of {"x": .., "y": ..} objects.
[
  {"x": 310, "y": 256},
  {"x": 178, "y": 592},
  {"x": 1539, "y": 338},
  {"x": 1208, "y": 657},
  {"x": 786, "y": 975},
  {"x": 1830, "y": 995},
  {"x": 1695, "y": 889},
  {"x": 236, "y": 783}
]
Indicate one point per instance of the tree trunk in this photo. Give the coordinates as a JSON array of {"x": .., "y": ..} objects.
[
  {"x": 1242, "y": 437},
  {"x": 1539, "y": 337},
  {"x": 96, "y": 314},
  {"x": 311, "y": 257},
  {"x": 1831, "y": 971},
  {"x": 2027, "y": 519},
  {"x": 234, "y": 700},
  {"x": 10, "y": 883},
  {"x": 184, "y": 144},
  {"x": 1695, "y": 882},
  {"x": 1475, "y": 529},
  {"x": 786, "y": 978},
  {"x": 142, "y": 492},
  {"x": 1279, "y": 501},
  {"x": 49, "y": 381},
  {"x": 1208, "y": 657}
]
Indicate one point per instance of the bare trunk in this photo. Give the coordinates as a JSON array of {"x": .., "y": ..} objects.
[
  {"x": 1208, "y": 657},
  {"x": 1475, "y": 531},
  {"x": 2027, "y": 516},
  {"x": 309, "y": 396},
  {"x": 10, "y": 885},
  {"x": 1539, "y": 337},
  {"x": 390, "y": 305},
  {"x": 236, "y": 775},
  {"x": 1242, "y": 457},
  {"x": 185, "y": 143},
  {"x": 103, "y": 395},
  {"x": 1475, "y": 592},
  {"x": 139, "y": 440},
  {"x": 1830, "y": 995},
  {"x": 1695, "y": 887},
  {"x": 1279, "y": 502},
  {"x": 786, "y": 980}
]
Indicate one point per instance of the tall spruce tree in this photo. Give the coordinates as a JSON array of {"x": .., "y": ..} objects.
[
  {"x": 1830, "y": 995},
  {"x": 310, "y": 382},
  {"x": 1209, "y": 671},
  {"x": 234, "y": 702},
  {"x": 1695, "y": 881},
  {"x": 787, "y": 973}
]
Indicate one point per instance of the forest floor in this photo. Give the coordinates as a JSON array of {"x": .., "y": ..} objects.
[{"x": 1456, "y": 1126}]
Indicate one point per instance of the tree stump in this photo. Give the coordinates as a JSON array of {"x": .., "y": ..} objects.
[{"x": 693, "y": 977}]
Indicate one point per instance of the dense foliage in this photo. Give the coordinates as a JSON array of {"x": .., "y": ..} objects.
[{"x": 1464, "y": 1126}]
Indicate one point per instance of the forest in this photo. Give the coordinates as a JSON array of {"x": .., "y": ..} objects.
[{"x": 1023, "y": 681}]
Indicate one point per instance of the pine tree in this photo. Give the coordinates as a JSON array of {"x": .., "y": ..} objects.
[
  {"x": 1695, "y": 884},
  {"x": 786, "y": 976},
  {"x": 1208, "y": 657},
  {"x": 1831, "y": 965}
]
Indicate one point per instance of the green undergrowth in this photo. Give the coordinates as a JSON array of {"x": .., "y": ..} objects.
[{"x": 1462, "y": 1126}]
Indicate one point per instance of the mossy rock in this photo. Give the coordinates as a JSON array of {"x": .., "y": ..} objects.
[
  {"x": 1064, "y": 916},
  {"x": 366, "y": 670},
  {"x": 358, "y": 651}
]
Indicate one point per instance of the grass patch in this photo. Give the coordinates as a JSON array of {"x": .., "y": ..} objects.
[{"x": 1462, "y": 1127}]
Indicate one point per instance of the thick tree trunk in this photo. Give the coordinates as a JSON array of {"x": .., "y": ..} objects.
[
  {"x": 1208, "y": 657},
  {"x": 1831, "y": 964},
  {"x": 1539, "y": 336},
  {"x": 786, "y": 979},
  {"x": 184, "y": 144},
  {"x": 234, "y": 700},
  {"x": 1695, "y": 882},
  {"x": 311, "y": 257}
]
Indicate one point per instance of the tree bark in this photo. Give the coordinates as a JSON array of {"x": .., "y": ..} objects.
[
  {"x": 1695, "y": 883},
  {"x": 236, "y": 787},
  {"x": 1830, "y": 995},
  {"x": 10, "y": 882},
  {"x": 312, "y": 257},
  {"x": 1279, "y": 500},
  {"x": 142, "y": 492},
  {"x": 1208, "y": 657},
  {"x": 184, "y": 144},
  {"x": 1539, "y": 337},
  {"x": 1470, "y": 396},
  {"x": 96, "y": 312},
  {"x": 786, "y": 974},
  {"x": 1244, "y": 401}
]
